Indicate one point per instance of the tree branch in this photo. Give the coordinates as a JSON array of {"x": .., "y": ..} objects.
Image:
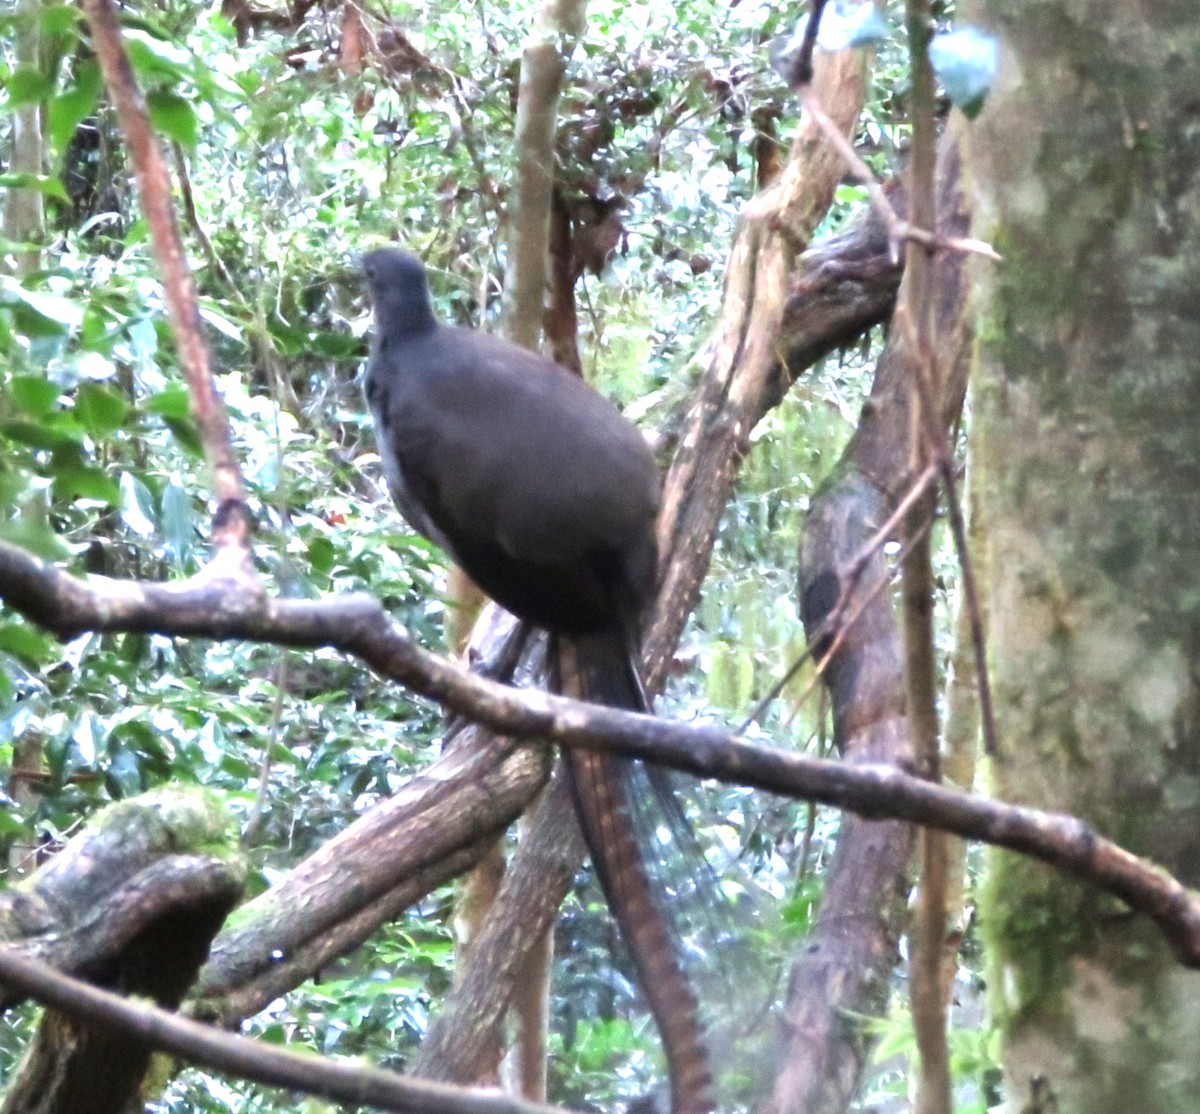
[
  {"x": 231, "y": 525},
  {"x": 347, "y": 1082},
  {"x": 357, "y": 625},
  {"x": 462, "y": 799}
]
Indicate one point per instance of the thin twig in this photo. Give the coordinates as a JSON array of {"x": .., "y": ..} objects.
[
  {"x": 899, "y": 230},
  {"x": 849, "y": 583},
  {"x": 802, "y": 69},
  {"x": 939, "y": 449},
  {"x": 927, "y": 929},
  {"x": 193, "y": 221},
  {"x": 264, "y": 767},
  {"x": 958, "y": 530},
  {"x": 852, "y": 618},
  {"x": 232, "y": 523}
]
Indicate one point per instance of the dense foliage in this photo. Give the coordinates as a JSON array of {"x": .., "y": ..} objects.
[{"x": 299, "y": 140}]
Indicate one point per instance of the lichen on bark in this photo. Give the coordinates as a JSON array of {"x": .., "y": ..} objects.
[{"x": 1086, "y": 164}]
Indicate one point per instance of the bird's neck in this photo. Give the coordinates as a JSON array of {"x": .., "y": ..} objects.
[{"x": 407, "y": 320}]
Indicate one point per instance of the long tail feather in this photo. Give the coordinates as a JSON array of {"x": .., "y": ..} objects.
[{"x": 598, "y": 668}]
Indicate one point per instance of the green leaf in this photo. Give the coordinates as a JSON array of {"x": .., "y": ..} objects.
[
  {"x": 74, "y": 478},
  {"x": 26, "y": 643},
  {"x": 299, "y": 340},
  {"x": 10, "y": 824},
  {"x": 177, "y": 521},
  {"x": 63, "y": 314},
  {"x": 172, "y": 115},
  {"x": 152, "y": 57},
  {"x": 55, "y": 432},
  {"x": 321, "y": 554},
  {"x": 14, "y": 483},
  {"x": 137, "y": 506},
  {"x": 896, "y": 1039},
  {"x": 59, "y": 19},
  {"x": 241, "y": 769},
  {"x": 185, "y": 433},
  {"x": 249, "y": 81},
  {"x": 173, "y": 406},
  {"x": 33, "y": 394},
  {"x": 71, "y": 107},
  {"x": 965, "y": 62},
  {"x": 100, "y": 411},
  {"x": 290, "y": 339},
  {"x": 35, "y": 536},
  {"x": 226, "y": 327},
  {"x": 337, "y": 346},
  {"x": 123, "y": 775},
  {"x": 850, "y": 193},
  {"x": 173, "y": 402},
  {"x": 28, "y": 85},
  {"x": 138, "y": 232},
  {"x": 95, "y": 483},
  {"x": 43, "y": 183},
  {"x": 143, "y": 340}
]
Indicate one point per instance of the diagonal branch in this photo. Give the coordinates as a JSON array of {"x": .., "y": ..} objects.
[
  {"x": 357, "y": 625},
  {"x": 231, "y": 526},
  {"x": 347, "y": 1082}
]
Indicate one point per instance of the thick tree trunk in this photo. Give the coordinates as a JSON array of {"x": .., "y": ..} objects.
[{"x": 1087, "y": 168}]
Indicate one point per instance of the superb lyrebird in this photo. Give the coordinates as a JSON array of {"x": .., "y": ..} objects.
[{"x": 547, "y": 497}]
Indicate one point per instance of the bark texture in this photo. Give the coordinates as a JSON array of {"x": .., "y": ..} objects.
[
  {"x": 843, "y": 972},
  {"x": 839, "y": 289},
  {"x": 460, "y": 803},
  {"x": 1087, "y": 170},
  {"x": 132, "y": 904},
  {"x": 24, "y": 218}
]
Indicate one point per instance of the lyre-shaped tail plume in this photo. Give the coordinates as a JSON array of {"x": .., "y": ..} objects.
[{"x": 598, "y": 668}]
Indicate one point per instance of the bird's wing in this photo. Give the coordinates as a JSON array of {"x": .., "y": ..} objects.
[{"x": 505, "y": 444}]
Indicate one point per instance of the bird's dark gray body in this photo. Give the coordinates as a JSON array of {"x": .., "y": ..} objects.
[
  {"x": 530, "y": 479},
  {"x": 547, "y": 497}
]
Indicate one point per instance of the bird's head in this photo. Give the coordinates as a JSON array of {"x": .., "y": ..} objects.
[{"x": 399, "y": 292}]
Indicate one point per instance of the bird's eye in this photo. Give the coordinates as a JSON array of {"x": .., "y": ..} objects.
[{"x": 369, "y": 270}]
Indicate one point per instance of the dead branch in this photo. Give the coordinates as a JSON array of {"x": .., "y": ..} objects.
[
  {"x": 308, "y": 959},
  {"x": 746, "y": 374},
  {"x": 456, "y": 804}
]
